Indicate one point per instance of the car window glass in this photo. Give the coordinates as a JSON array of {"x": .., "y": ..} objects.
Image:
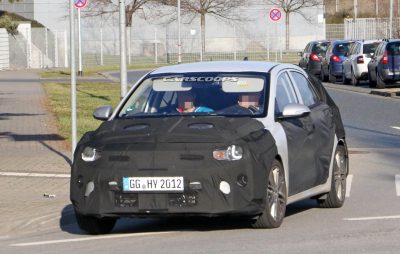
[
  {"x": 393, "y": 49},
  {"x": 307, "y": 93},
  {"x": 284, "y": 93},
  {"x": 320, "y": 48},
  {"x": 370, "y": 48},
  {"x": 342, "y": 49},
  {"x": 307, "y": 49},
  {"x": 379, "y": 50}
]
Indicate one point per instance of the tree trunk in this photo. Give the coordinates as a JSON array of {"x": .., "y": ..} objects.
[
  {"x": 203, "y": 33},
  {"x": 287, "y": 23}
]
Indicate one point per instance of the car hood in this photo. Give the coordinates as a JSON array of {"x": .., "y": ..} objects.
[{"x": 175, "y": 130}]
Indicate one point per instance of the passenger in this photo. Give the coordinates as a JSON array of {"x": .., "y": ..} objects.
[
  {"x": 186, "y": 103},
  {"x": 250, "y": 100}
]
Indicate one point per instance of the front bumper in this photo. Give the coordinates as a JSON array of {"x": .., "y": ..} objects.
[{"x": 97, "y": 190}]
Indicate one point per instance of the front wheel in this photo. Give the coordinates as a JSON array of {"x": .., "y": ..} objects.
[
  {"x": 93, "y": 225},
  {"x": 275, "y": 199},
  {"x": 335, "y": 198}
]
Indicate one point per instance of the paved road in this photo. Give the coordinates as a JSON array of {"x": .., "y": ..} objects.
[{"x": 369, "y": 222}]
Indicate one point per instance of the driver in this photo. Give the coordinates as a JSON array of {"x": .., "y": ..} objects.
[
  {"x": 250, "y": 100},
  {"x": 186, "y": 103}
]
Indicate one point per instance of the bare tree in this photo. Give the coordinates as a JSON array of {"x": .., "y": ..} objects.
[
  {"x": 293, "y": 6},
  {"x": 220, "y": 9},
  {"x": 109, "y": 8}
]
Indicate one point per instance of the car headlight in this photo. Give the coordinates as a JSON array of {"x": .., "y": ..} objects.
[
  {"x": 90, "y": 154},
  {"x": 232, "y": 153}
]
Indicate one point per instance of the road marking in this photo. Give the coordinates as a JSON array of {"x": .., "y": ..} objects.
[
  {"x": 397, "y": 181},
  {"x": 348, "y": 183},
  {"x": 395, "y": 127},
  {"x": 25, "y": 174},
  {"x": 373, "y": 218},
  {"x": 93, "y": 238}
]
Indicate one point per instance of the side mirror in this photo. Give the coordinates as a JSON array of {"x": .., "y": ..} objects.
[
  {"x": 294, "y": 110},
  {"x": 103, "y": 113},
  {"x": 299, "y": 53}
]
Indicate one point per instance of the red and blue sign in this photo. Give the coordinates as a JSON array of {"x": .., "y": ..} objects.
[
  {"x": 80, "y": 3},
  {"x": 275, "y": 14}
]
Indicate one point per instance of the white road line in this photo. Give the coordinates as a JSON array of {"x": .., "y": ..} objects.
[
  {"x": 348, "y": 183},
  {"x": 397, "y": 181},
  {"x": 88, "y": 239},
  {"x": 25, "y": 174},
  {"x": 395, "y": 127},
  {"x": 373, "y": 218}
]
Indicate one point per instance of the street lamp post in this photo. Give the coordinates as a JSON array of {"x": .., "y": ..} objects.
[
  {"x": 122, "y": 42},
  {"x": 391, "y": 20},
  {"x": 179, "y": 33},
  {"x": 73, "y": 76}
]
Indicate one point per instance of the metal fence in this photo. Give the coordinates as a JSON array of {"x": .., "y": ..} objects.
[{"x": 42, "y": 48}]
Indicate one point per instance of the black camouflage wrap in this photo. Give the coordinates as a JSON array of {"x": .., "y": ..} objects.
[{"x": 174, "y": 146}]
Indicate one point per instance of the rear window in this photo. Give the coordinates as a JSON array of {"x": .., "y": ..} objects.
[
  {"x": 342, "y": 49},
  {"x": 370, "y": 48},
  {"x": 393, "y": 49},
  {"x": 320, "y": 48}
]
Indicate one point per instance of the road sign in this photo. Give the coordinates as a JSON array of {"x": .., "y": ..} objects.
[
  {"x": 80, "y": 3},
  {"x": 275, "y": 14}
]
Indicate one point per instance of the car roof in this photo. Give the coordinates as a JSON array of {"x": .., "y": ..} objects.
[{"x": 218, "y": 66}]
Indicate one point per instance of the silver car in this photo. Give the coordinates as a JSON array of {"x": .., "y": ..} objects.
[{"x": 355, "y": 67}]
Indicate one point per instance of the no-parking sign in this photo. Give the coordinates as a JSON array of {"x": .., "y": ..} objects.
[
  {"x": 275, "y": 14},
  {"x": 80, "y": 3}
]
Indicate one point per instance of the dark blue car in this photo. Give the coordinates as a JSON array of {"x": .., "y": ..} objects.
[{"x": 332, "y": 63}]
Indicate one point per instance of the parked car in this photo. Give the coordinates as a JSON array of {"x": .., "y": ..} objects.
[
  {"x": 332, "y": 62},
  {"x": 355, "y": 67},
  {"x": 312, "y": 55},
  {"x": 384, "y": 66},
  {"x": 212, "y": 139}
]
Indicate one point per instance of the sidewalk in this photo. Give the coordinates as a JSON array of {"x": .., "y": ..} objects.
[{"x": 29, "y": 143}]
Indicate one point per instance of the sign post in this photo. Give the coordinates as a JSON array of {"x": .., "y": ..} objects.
[
  {"x": 73, "y": 77},
  {"x": 79, "y": 4},
  {"x": 275, "y": 16}
]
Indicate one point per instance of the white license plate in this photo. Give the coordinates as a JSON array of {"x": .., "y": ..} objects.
[{"x": 153, "y": 184}]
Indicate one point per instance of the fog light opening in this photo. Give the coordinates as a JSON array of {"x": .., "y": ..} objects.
[{"x": 242, "y": 180}]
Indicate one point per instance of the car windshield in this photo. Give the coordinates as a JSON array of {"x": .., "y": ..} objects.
[
  {"x": 215, "y": 94},
  {"x": 320, "y": 48},
  {"x": 342, "y": 49},
  {"x": 393, "y": 48},
  {"x": 370, "y": 48}
]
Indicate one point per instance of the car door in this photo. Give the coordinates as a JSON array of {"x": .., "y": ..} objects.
[
  {"x": 303, "y": 59},
  {"x": 326, "y": 59},
  {"x": 374, "y": 62},
  {"x": 310, "y": 139}
]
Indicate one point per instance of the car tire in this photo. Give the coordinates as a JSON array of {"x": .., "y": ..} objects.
[
  {"x": 354, "y": 80},
  {"x": 322, "y": 76},
  {"x": 345, "y": 80},
  {"x": 93, "y": 225},
  {"x": 337, "y": 195},
  {"x": 372, "y": 83},
  {"x": 379, "y": 81},
  {"x": 275, "y": 199},
  {"x": 332, "y": 78}
]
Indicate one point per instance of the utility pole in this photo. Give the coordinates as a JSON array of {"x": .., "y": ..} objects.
[
  {"x": 391, "y": 20},
  {"x": 376, "y": 8},
  {"x": 80, "y": 71},
  {"x": 122, "y": 44},
  {"x": 179, "y": 33},
  {"x": 355, "y": 9},
  {"x": 73, "y": 75}
]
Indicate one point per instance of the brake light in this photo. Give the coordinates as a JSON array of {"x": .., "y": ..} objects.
[
  {"x": 385, "y": 59},
  {"x": 360, "y": 60},
  {"x": 335, "y": 59},
  {"x": 314, "y": 57}
]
